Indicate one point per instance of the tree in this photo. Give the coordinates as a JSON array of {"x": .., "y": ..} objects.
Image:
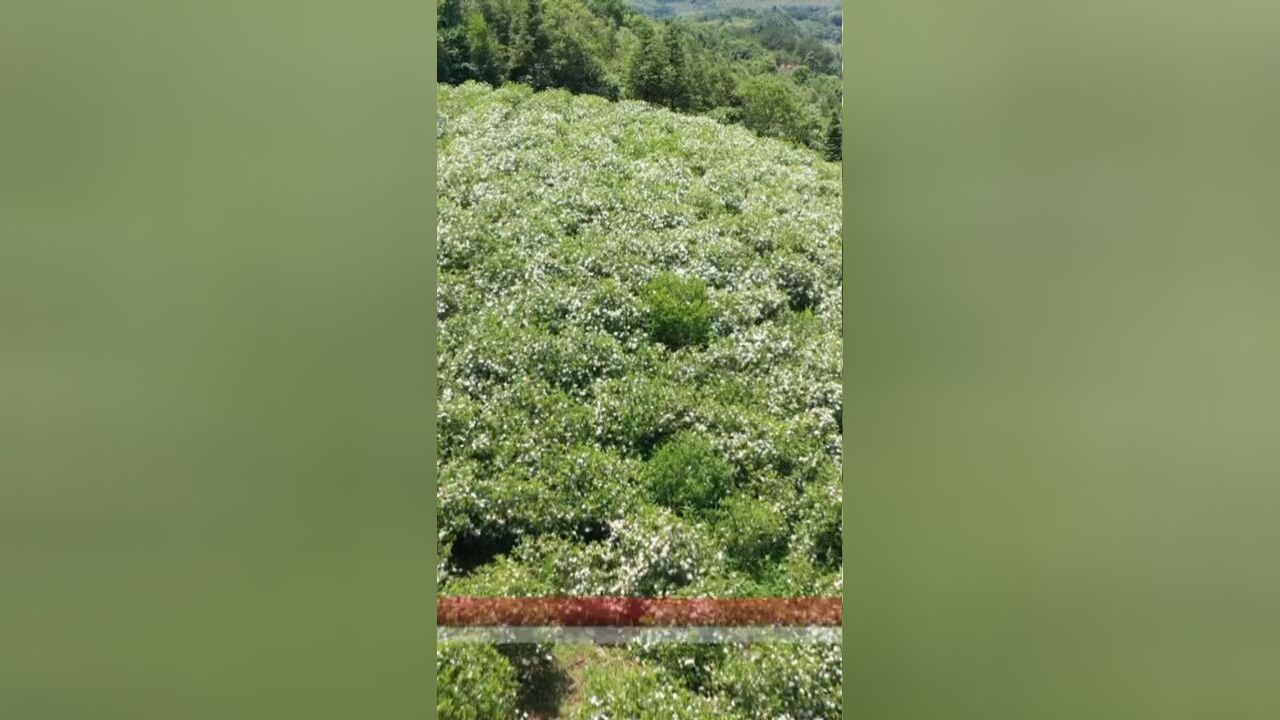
[
  {"x": 645, "y": 74},
  {"x": 602, "y": 47},
  {"x": 523, "y": 46},
  {"x": 835, "y": 137},
  {"x": 775, "y": 107},
  {"x": 615, "y": 11},
  {"x": 676, "y": 81},
  {"x": 660, "y": 69},
  {"x": 484, "y": 51},
  {"x": 571, "y": 41},
  {"x": 452, "y": 52},
  {"x": 714, "y": 83}
]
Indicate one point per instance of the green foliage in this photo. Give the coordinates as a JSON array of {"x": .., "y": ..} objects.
[
  {"x": 475, "y": 682},
  {"x": 579, "y": 454},
  {"x": 556, "y": 393},
  {"x": 646, "y": 76},
  {"x": 726, "y": 115},
  {"x": 650, "y": 553},
  {"x": 753, "y": 532},
  {"x": 659, "y": 69},
  {"x": 835, "y": 137},
  {"x": 819, "y": 526},
  {"x": 572, "y": 43},
  {"x": 484, "y": 51},
  {"x": 692, "y": 664},
  {"x": 687, "y": 475},
  {"x": 623, "y": 691},
  {"x": 782, "y": 680},
  {"x": 678, "y": 309},
  {"x": 639, "y": 412},
  {"x": 775, "y": 107},
  {"x": 776, "y": 680},
  {"x": 603, "y": 47}
]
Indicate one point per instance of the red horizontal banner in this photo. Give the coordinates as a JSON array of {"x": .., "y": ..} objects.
[{"x": 452, "y": 611}]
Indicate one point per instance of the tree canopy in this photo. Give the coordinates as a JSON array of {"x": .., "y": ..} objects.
[{"x": 776, "y": 73}]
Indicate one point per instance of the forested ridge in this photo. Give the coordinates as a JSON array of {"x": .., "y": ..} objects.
[{"x": 776, "y": 71}]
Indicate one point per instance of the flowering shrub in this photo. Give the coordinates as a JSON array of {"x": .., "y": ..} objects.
[
  {"x": 782, "y": 681},
  {"x": 625, "y": 691},
  {"x": 475, "y": 682},
  {"x": 639, "y": 384},
  {"x": 651, "y": 553},
  {"x": 692, "y": 664}
]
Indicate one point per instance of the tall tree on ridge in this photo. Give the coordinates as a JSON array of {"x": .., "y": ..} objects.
[
  {"x": 645, "y": 75},
  {"x": 675, "y": 81}
]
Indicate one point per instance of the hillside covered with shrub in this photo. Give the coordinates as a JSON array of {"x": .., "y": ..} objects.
[{"x": 639, "y": 377}]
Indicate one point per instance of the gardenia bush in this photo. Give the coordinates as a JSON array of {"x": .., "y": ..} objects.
[
  {"x": 474, "y": 682},
  {"x": 639, "y": 378}
]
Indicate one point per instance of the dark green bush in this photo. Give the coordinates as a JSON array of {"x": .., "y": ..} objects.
[
  {"x": 475, "y": 683},
  {"x": 540, "y": 681},
  {"x": 752, "y": 532},
  {"x": 679, "y": 311},
  {"x": 687, "y": 475}
]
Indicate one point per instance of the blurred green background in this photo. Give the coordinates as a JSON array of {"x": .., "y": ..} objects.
[
  {"x": 215, "y": 361},
  {"x": 1063, "y": 345},
  {"x": 215, "y": 364}
]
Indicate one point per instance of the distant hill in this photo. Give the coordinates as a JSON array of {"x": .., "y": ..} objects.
[{"x": 679, "y": 7}]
